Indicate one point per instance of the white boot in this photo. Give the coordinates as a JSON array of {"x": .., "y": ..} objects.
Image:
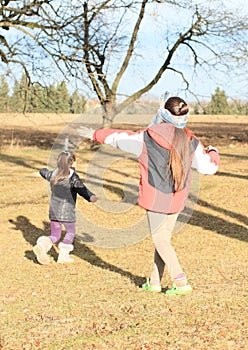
[
  {"x": 43, "y": 245},
  {"x": 64, "y": 250}
]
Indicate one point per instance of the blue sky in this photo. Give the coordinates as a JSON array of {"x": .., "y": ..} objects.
[{"x": 235, "y": 84}]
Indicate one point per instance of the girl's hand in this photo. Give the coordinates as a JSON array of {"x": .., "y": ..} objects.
[
  {"x": 86, "y": 132},
  {"x": 93, "y": 198},
  {"x": 211, "y": 148}
]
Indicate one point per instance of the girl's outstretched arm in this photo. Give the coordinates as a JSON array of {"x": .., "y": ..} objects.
[
  {"x": 126, "y": 140},
  {"x": 206, "y": 161},
  {"x": 46, "y": 174},
  {"x": 81, "y": 189}
]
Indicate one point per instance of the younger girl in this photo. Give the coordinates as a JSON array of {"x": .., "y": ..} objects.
[{"x": 65, "y": 185}]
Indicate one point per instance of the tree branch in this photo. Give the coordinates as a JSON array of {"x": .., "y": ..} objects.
[
  {"x": 130, "y": 47},
  {"x": 182, "y": 39},
  {"x": 90, "y": 72}
]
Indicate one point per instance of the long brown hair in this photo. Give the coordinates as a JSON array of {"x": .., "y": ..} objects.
[
  {"x": 180, "y": 155},
  {"x": 64, "y": 162}
]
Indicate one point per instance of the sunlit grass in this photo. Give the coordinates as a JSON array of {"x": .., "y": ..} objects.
[{"x": 96, "y": 302}]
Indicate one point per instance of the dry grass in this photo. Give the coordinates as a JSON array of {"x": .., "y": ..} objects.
[{"x": 96, "y": 302}]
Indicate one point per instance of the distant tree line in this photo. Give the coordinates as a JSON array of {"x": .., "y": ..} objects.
[
  {"x": 57, "y": 99},
  {"x": 101, "y": 43},
  {"x": 220, "y": 104},
  {"x": 38, "y": 99}
]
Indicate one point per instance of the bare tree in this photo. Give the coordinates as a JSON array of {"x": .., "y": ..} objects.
[
  {"x": 99, "y": 41},
  {"x": 21, "y": 25}
]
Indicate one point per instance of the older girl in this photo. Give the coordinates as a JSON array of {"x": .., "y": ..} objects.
[{"x": 165, "y": 152}]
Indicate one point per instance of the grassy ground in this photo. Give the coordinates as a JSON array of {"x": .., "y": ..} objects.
[{"x": 96, "y": 302}]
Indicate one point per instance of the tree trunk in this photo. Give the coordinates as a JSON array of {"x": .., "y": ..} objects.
[{"x": 109, "y": 113}]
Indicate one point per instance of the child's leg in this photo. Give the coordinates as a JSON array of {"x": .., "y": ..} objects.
[
  {"x": 161, "y": 226},
  {"x": 56, "y": 229},
  {"x": 66, "y": 246},
  {"x": 158, "y": 269},
  {"x": 43, "y": 245},
  {"x": 70, "y": 232}
]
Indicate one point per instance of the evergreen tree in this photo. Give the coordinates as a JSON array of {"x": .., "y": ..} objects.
[
  {"x": 16, "y": 99},
  {"x": 238, "y": 107},
  {"x": 77, "y": 103},
  {"x": 25, "y": 93},
  {"x": 51, "y": 99},
  {"x": 20, "y": 96},
  {"x": 62, "y": 98},
  {"x": 38, "y": 99},
  {"x": 218, "y": 104},
  {"x": 4, "y": 95}
]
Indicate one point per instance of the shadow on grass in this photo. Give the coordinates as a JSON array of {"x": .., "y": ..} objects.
[
  {"x": 221, "y": 226},
  {"x": 27, "y": 138},
  {"x": 238, "y": 176},
  {"x": 226, "y": 212},
  {"x": 20, "y": 161},
  {"x": 31, "y": 233},
  {"x": 235, "y": 156}
]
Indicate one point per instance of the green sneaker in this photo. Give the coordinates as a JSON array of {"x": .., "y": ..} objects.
[
  {"x": 151, "y": 288},
  {"x": 179, "y": 290}
]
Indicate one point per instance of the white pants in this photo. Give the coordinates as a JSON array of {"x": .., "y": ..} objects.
[{"x": 161, "y": 227}]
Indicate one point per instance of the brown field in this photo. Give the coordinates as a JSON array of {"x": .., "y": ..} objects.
[{"x": 96, "y": 302}]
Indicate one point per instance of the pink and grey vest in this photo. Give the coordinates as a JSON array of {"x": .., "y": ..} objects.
[{"x": 156, "y": 189}]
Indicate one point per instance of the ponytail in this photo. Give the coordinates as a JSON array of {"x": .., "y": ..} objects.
[
  {"x": 180, "y": 159},
  {"x": 64, "y": 162}
]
